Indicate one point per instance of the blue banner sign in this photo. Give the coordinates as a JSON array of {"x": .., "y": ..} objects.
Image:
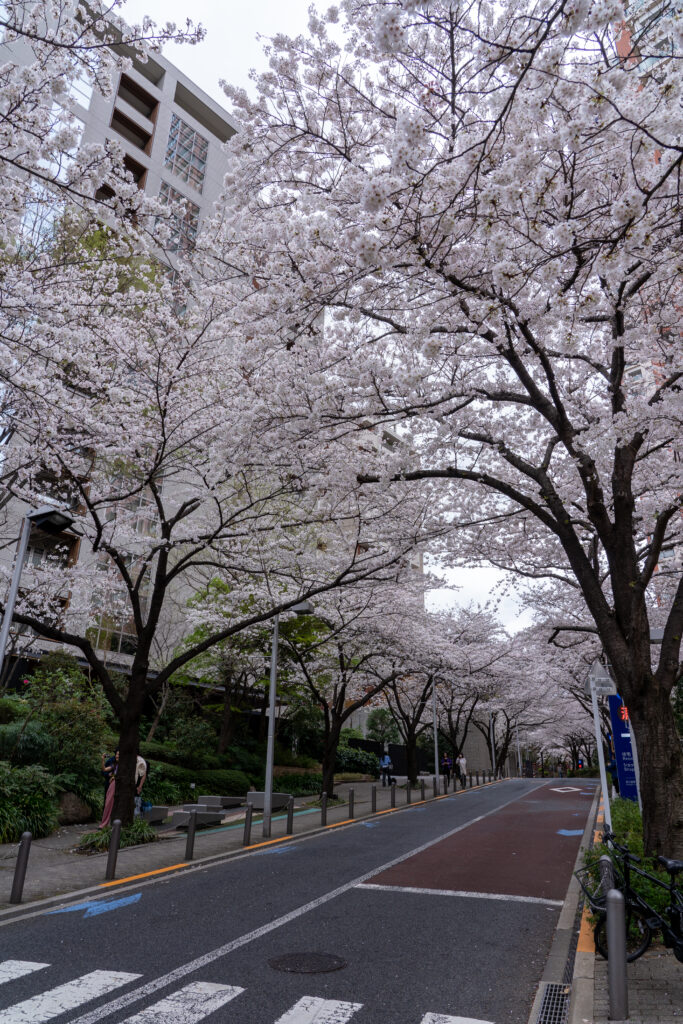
[{"x": 623, "y": 750}]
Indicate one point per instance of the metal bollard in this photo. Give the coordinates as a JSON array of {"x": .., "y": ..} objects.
[
  {"x": 393, "y": 794},
  {"x": 470, "y": 780},
  {"x": 422, "y": 789},
  {"x": 114, "y": 841},
  {"x": 290, "y": 816},
  {"x": 351, "y": 802},
  {"x": 323, "y": 809},
  {"x": 445, "y": 785},
  {"x": 191, "y": 829},
  {"x": 373, "y": 799},
  {"x": 606, "y": 873},
  {"x": 435, "y": 782},
  {"x": 246, "y": 838},
  {"x": 20, "y": 867},
  {"x": 616, "y": 964},
  {"x": 409, "y": 795},
  {"x": 478, "y": 778}
]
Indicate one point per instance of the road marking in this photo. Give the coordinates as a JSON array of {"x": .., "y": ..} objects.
[
  {"x": 216, "y": 954},
  {"x": 146, "y": 874},
  {"x": 312, "y": 1010},
  {"x": 11, "y": 969},
  {"x": 586, "y": 943},
  {"x": 93, "y": 907},
  {"x": 188, "y": 1006},
  {"x": 565, "y": 789},
  {"x": 460, "y": 892},
  {"x": 47, "y": 1005},
  {"x": 570, "y": 831},
  {"x": 440, "y": 1018}
]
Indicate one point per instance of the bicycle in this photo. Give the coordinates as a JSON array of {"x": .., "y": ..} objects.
[{"x": 642, "y": 920}]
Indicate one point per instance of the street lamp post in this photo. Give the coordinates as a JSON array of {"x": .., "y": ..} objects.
[
  {"x": 49, "y": 518},
  {"x": 436, "y": 734},
  {"x": 303, "y": 608}
]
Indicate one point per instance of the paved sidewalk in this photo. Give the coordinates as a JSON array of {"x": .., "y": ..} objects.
[
  {"x": 655, "y": 989},
  {"x": 54, "y": 868}
]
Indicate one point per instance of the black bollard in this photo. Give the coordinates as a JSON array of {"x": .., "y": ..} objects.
[
  {"x": 290, "y": 816},
  {"x": 435, "y": 786},
  {"x": 246, "y": 838},
  {"x": 351, "y": 801},
  {"x": 323, "y": 809},
  {"x": 20, "y": 867},
  {"x": 470, "y": 780},
  {"x": 408, "y": 793},
  {"x": 114, "y": 841},
  {"x": 422, "y": 789},
  {"x": 445, "y": 785},
  {"x": 393, "y": 794},
  {"x": 191, "y": 829},
  {"x": 373, "y": 799}
]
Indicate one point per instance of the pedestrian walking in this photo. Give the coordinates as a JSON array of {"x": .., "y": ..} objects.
[
  {"x": 140, "y": 776},
  {"x": 446, "y": 766},
  {"x": 461, "y": 762},
  {"x": 386, "y": 768},
  {"x": 111, "y": 793},
  {"x": 108, "y": 768}
]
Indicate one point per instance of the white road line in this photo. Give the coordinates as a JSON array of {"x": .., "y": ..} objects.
[
  {"x": 440, "y": 1018},
  {"x": 216, "y": 954},
  {"x": 462, "y": 892},
  {"x": 11, "y": 969},
  {"x": 188, "y": 1006},
  {"x": 313, "y": 1010},
  {"x": 47, "y": 1005}
]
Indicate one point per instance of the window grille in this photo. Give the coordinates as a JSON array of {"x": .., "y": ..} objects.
[{"x": 186, "y": 153}]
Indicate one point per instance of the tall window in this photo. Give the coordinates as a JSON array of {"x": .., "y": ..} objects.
[
  {"x": 185, "y": 225},
  {"x": 186, "y": 153}
]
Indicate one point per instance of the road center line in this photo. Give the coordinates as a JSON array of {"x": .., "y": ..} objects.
[
  {"x": 216, "y": 954},
  {"x": 461, "y": 892}
]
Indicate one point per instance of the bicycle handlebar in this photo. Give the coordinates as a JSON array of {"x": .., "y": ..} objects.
[{"x": 610, "y": 838}]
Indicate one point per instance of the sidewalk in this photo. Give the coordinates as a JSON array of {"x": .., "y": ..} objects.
[{"x": 54, "y": 868}]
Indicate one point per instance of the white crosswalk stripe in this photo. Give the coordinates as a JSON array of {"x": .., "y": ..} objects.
[
  {"x": 312, "y": 1010},
  {"x": 11, "y": 969},
  {"x": 47, "y": 1005},
  {"x": 440, "y": 1018},
  {"x": 188, "y": 1006}
]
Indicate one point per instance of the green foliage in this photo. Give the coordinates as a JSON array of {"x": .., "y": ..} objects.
[
  {"x": 193, "y": 738},
  {"x": 350, "y": 759},
  {"x": 135, "y": 834},
  {"x": 381, "y": 726},
  {"x": 627, "y": 826},
  {"x": 12, "y": 709},
  {"x": 28, "y": 743},
  {"x": 287, "y": 759},
  {"x": 299, "y": 785},
  {"x": 27, "y": 802},
  {"x": 350, "y": 734},
  {"x": 170, "y": 784}
]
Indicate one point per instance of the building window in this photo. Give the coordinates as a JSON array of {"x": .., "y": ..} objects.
[
  {"x": 186, "y": 153},
  {"x": 185, "y": 226}
]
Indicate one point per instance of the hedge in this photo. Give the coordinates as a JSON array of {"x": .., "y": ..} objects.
[
  {"x": 27, "y": 802},
  {"x": 168, "y": 783},
  {"x": 351, "y": 759}
]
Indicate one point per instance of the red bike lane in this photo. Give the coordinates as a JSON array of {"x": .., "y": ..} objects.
[{"x": 527, "y": 849}]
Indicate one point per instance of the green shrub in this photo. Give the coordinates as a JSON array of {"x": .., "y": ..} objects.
[
  {"x": 627, "y": 826},
  {"x": 27, "y": 744},
  {"x": 299, "y": 785},
  {"x": 224, "y": 781},
  {"x": 351, "y": 759},
  {"x": 27, "y": 802},
  {"x": 138, "y": 832},
  {"x": 170, "y": 754},
  {"x": 12, "y": 709}
]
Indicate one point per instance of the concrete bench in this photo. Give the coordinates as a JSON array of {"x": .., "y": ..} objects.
[
  {"x": 155, "y": 815},
  {"x": 221, "y": 801},
  {"x": 278, "y": 801},
  {"x": 181, "y": 819}
]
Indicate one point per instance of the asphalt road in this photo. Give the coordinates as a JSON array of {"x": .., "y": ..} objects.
[{"x": 441, "y": 914}]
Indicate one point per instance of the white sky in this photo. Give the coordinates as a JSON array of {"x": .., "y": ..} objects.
[
  {"x": 230, "y": 48},
  {"x": 228, "y": 52}
]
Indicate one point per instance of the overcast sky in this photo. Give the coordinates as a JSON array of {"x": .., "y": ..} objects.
[
  {"x": 230, "y": 48},
  {"x": 228, "y": 52}
]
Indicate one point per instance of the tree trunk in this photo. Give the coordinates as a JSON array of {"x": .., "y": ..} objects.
[
  {"x": 661, "y": 772},
  {"x": 129, "y": 741},
  {"x": 411, "y": 757},
  {"x": 328, "y": 758},
  {"x": 227, "y": 719},
  {"x": 159, "y": 712}
]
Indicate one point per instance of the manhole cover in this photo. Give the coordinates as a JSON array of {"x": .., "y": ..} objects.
[{"x": 307, "y": 963}]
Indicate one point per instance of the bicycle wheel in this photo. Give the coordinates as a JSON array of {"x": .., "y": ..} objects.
[{"x": 638, "y": 934}]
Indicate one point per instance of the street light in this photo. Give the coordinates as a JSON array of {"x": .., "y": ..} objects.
[
  {"x": 51, "y": 519},
  {"x": 302, "y": 608}
]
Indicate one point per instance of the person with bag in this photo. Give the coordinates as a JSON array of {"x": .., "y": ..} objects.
[
  {"x": 386, "y": 768},
  {"x": 141, "y": 770}
]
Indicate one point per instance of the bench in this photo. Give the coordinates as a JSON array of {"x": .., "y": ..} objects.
[
  {"x": 221, "y": 801},
  {"x": 155, "y": 815},
  {"x": 278, "y": 800}
]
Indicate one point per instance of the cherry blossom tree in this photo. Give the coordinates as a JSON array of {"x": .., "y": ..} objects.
[{"x": 464, "y": 219}]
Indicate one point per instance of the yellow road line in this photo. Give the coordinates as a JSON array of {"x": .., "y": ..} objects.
[
  {"x": 145, "y": 874},
  {"x": 586, "y": 943}
]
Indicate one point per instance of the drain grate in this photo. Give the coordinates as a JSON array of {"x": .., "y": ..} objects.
[
  {"x": 555, "y": 1005},
  {"x": 571, "y": 956},
  {"x": 307, "y": 963}
]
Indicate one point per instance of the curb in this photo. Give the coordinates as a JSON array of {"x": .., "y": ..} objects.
[
  {"x": 554, "y": 972},
  {"x": 34, "y": 909}
]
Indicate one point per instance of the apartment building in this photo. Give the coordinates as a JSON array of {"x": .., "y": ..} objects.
[{"x": 172, "y": 136}]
